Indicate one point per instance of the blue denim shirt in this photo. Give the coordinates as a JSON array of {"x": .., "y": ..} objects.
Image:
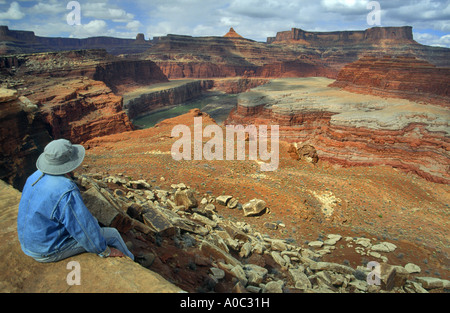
[{"x": 52, "y": 215}]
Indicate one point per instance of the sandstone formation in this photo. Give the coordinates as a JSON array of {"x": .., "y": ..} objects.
[
  {"x": 295, "y": 53},
  {"x": 207, "y": 57},
  {"x": 79, "y": 102},
  {"x": 63, "y": 95},
  {"x": 21, "y": 274},
  {"x": 23, "y": 136},
  {"x": 339, "y": 48},
  {"x": 352, "y": 129},
  {"x": 403, "y": 77},
  {"x": 232, "y": 34},
  {"x": 19, "y": 41},
  {"x": 231, "y": 55},
  {"x": 146, "y": 99},
  {"x": 238, "y": 85},
  {"x": 375, "y": 35}
]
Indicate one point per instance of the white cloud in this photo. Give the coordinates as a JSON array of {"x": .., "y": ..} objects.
[
  {"x": 105, "y": 11},
  {"x": 134, "y": 26},
  {"x": 91, "y": 29},
  {"x": 13, "y": 13},
  {"x": 48, "y": 8},
  {"x": 432, "y": 40}
]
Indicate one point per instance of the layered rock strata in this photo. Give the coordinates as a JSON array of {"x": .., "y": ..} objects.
[
  {"x": 372, "y": 35},
  {"x": 71, "y": 95},
  {"x": 403, "y": 77},
  {"x": 94, "y": 64},
  {"x": 23, "y": 136},
  {"x": 211, "y": 57},
  {"x": 75, "y": 89},
  {"x": 81, "y": 109},
  {"x": 19, "y": 41},
  {"x": 141, "y": 101},
  {"x": 351, "y": 129}
]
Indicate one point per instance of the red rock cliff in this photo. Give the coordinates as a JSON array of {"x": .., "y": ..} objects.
[
  {"x": 351, "y": 129},
  {"x": 75, "y": 90},
  {"x": 372, "y": 35},
  {"x": 402, "y": 77},
  {"x": 17, "y": 41},
  {"x": 23, "y": 136}
]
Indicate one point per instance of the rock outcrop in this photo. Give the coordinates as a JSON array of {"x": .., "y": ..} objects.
[
  {"x": 23, "y": 136},
  {"x": 18, "y": 41},
  {"x": 68, "y": 95},
  {"x": 79, "y": 110},
  {"x": 199, "y": 250},
  {"x": 403, "y": 77},
  {"x": 21, "y": 274},
  {"x": 76, "y": 90},
  {"x": 295, "y": 53},
  {"x": 210, "y": 57},
  {"x": 351, "y": 129},
  {"x": 232, "y": 34},
  {"x": 375, "y": 35},
  {"x": 144, "y": 100}
]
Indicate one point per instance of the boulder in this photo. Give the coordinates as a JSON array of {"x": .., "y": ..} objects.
[
  {"x": 158, "y": 222},
  {"x": 412, "y": 268},
  {"x": 185, "y": 198},
  {"x": 274, "y": 287},
  {"x": 384, "y": 247},
  {"x": 254, "y": 207},
  {"x": 255, "y": 273},
  {"x": 103, "y": 207},
  {"x": 300, "y": 279},
  {"x": 223, "y": 200},
  {"x": 433, "y": 282}
]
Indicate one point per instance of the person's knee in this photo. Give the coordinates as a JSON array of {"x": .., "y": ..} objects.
[{"x": 110, "y": 232}]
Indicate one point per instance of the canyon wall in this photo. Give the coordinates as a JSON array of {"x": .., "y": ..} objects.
[
  {"x": 18, "y": 41},
  {"x": 142, "y": 103},
  {"x": 73, "y": 96},
  {"x": 402, "y": 77},
  {"x": 372, "y": 35},
  {"x": 351, "y": 129},
  {"x": 81, "y": 109},
  {"x": 76, "y": 90},
  {"x": 215, "y": 57},
  {"x": 23, "y": 136}
]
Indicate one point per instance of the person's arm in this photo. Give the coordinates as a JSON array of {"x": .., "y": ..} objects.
[{"x": 81, "y": 225}]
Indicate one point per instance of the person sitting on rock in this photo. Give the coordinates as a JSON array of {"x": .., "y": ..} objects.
[{"x": 53, "y": 222}]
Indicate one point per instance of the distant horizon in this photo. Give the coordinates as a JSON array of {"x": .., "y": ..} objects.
[
  {"x": 252, "y": 19},
  {"x": 219, "y": 36}
]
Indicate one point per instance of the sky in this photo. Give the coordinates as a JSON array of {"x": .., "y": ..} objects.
[{"x": 253, "y": 19}]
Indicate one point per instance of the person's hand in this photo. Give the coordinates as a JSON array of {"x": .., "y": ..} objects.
[{"x": 116, "y": 253}]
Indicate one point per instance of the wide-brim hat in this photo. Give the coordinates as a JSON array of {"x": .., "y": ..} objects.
[{"x": 60, "y": 157}]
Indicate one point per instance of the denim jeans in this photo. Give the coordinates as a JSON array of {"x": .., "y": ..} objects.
[{"x": 111, "y": 235}]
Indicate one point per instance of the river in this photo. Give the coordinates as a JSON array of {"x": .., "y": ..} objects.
[{"x": 217, "y": 104}]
